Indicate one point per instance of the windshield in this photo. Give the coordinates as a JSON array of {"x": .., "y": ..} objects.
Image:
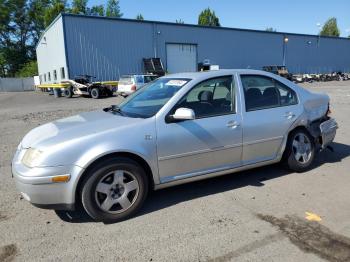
[{"x": 148, "y": 100}]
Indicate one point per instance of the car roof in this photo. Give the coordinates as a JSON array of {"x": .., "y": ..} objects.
[
  {"x": 214, "y": 73},
  {"x": 137, "y": 75}
]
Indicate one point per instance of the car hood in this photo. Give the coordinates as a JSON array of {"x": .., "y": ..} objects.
[{"x": 75, "y": 127}]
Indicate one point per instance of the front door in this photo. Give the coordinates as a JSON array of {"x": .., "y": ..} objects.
[{"x": 212, "y": 142}]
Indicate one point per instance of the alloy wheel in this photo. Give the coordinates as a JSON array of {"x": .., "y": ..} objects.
[
  {"x": 117, "y": 191},
  {"x": 302, "y": 148}
]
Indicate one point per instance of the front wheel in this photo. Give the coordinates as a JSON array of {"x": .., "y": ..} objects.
[
  {"x": 300, "y": 151},
  {"x": 114, "y": 190}
]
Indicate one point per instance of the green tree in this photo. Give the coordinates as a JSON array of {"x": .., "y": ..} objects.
[
  {"x": 53, "y": 10},
  {"x": 139, "y": 17},
  {"x": 330, "y": 28},
  {"x": 37, "y": 9},
  {"x": 29, "y": 69},
  {"x": 96, "y": 10},
  {"x": 3, "y": 65},
  {"x": 207, "y": 17},
  {"x": 113, "y": 9},
  {"x": 16, "y": 40},
  {"x": 79, "y": 7},
  {"x": 180, "y": 21},
  {"x": 270, "y": 29}
]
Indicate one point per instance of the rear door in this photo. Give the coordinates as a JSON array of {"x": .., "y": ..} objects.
[
  {"x": 125, "y": 83},
  {"x": 270, "y": 108}
]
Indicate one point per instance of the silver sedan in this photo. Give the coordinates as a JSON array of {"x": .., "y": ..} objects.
[{"x": 176, "y": 129}]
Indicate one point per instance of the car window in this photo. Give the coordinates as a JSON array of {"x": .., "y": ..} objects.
[
  {"x": 126, "y": 80},
  {"x": 149, "y": 78},
  {"x": 210, "y": 98},
  {"x": 261, "y": 92},
  {"x": 139, "y": 79}
]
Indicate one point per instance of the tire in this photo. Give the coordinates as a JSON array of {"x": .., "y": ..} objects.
[
  {"x": 68, "y": 92},
  {"x": 114, "y": 190},
  {"x": 109, "y": 92},
  {"x": 95, "y": 93},
  {"x": 300, "y": 151}
]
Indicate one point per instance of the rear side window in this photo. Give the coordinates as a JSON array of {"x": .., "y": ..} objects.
[
  {"x": 149, "y": 78},
  {"x": 261, "y": 92},
  {"x": 139, "y": 79},
  {"x": 126, "y": 80}
]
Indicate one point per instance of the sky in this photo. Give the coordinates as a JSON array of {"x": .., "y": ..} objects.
[{"x": 291, "y": 16}]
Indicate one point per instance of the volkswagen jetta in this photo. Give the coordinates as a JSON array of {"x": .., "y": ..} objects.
[{"x": 176, "y": 129}]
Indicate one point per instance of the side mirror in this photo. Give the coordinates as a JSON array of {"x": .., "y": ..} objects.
[{"x": 182, "y": 114}]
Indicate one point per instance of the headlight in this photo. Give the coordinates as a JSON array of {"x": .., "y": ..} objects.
[{"x": 32, "y": 157}]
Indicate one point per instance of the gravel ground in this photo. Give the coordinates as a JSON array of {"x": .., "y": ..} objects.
[{"x": 258, "y": 215}]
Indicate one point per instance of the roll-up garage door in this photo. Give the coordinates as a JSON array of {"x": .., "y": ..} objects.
[{"x": 181, "y": 58}]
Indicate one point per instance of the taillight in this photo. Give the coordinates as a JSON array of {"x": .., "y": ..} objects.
[{"x": 133, "y": 88}]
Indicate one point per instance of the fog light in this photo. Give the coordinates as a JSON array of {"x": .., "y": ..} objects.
[{"x": 60, "y": 179}]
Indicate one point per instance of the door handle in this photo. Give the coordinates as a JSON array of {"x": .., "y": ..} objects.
[
  {"x": 289, "y": 115},
  {"x": 232, "y": 124}
]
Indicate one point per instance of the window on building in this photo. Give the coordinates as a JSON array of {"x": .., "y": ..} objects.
[
  {"x": 263, "y": 92},
  {"x": 63, "y": 74},
  {"x": 210, "y": 98},
  {"x": 49, "y": 76},
  {"x": 45, "y": 78},
  {"x": 40, "y": 78},
  {"x": 54, "y": 75}
]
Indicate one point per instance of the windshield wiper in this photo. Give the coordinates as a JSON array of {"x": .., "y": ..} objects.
[{"x": 114, "y": 108}]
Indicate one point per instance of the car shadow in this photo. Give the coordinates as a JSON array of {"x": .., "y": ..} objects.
[{"x": 168, "y": 197}]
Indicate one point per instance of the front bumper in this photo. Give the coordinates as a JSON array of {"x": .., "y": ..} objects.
[
  {"x": 328, "y": 131},
  {"x": 36, "y": 186}
]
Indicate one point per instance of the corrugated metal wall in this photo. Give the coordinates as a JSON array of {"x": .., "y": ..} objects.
[
  {"x": 105, "y": 48},
  {"x": 224, "y": 47},
  {"x": 312, "y": 54},
  {"x": 108, "y": 48}
]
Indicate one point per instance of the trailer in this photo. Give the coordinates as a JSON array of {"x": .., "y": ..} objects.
[{"x": 83, "y": 86}]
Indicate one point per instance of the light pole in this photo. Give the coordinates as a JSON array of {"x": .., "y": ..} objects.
[
  {"x": 319, "y": 25},
  {"x": 285, "y": 41}
]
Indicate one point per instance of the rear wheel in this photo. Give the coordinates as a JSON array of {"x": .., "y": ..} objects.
[
  {"x": 95, "y": 93},
  {"x": 114, "y": 190},
  {"x": 300, "y": 151},
  {"x": 68, "y": 92},
  {"x": 109, "y": 92}
]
